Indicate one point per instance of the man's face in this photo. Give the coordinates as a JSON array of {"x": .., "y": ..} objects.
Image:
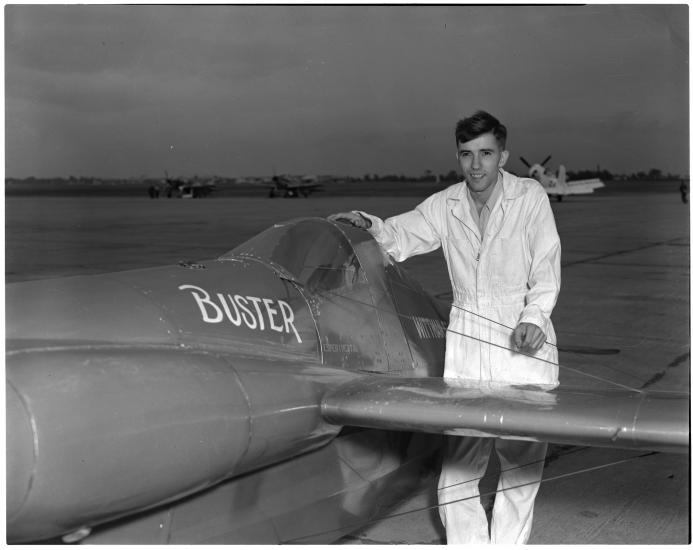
[{"x": 480, "y": 159}]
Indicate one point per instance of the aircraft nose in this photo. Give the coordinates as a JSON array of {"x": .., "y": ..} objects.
[{"x": 21, "y": 457}]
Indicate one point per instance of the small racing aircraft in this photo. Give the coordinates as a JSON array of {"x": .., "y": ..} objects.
[
  {"x": 188, "y": 188},
  {"x": 293, "y": 186},
  {"x": 557, "y": 185},
  {"x": 288, "y": 391}
]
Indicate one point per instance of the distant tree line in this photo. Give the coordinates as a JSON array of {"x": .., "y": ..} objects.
[
  {"x": 451, "y": 176},
  {"x": 654, "y": 174},
  {"x": 603, "y": 175},
  {"x": 428, "y": 175}
]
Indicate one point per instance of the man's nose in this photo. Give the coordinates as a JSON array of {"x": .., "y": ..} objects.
[{"x": 476, "y": 161}]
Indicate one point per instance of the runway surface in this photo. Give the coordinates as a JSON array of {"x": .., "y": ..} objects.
[{"x": 622, "y": 317}]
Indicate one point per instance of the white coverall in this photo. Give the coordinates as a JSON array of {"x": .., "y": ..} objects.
[{"x": 512, "y": 275}]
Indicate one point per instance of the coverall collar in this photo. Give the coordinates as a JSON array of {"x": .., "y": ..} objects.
[
  {"x": 511, "y": 188},
  {"x": 459, "y": 205},
  {"x": 482, "y": 216}
]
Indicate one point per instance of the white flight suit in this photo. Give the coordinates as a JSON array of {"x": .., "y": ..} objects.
[{"x": 511, "y": 275}]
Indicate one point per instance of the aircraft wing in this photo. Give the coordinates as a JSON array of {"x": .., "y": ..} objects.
[
  {"x": 584, "y": 186},
  {"x": 301, "y": 185},
  {"x": 623, "y": 419}
]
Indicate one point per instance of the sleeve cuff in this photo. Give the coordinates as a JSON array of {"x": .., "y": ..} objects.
[
  {"x": 532, "y": 314},
  {"x": 376, "y": 223}
]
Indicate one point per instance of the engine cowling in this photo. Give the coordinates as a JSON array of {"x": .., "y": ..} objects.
[{"x": 93, "y": 435}]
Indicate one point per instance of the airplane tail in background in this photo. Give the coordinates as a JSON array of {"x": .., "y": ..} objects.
[{"x": 558, "y": 185}]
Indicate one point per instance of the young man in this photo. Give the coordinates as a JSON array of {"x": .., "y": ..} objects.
[{"x": 500, "y": 242}]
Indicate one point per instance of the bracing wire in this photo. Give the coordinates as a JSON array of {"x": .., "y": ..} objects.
[
  {"x": 586, "y": 374},
  {"x": 494, "y": 321},
  {"x": 355, "y": 526},
  {"x": 502, "y": 471},
  {"x": 411, "y": 318}
]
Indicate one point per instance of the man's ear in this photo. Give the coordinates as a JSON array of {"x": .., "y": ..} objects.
[{"x": 505, "y": 154}]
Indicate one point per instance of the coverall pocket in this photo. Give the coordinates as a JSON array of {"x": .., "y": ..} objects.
[{"x": 510, "y": 255}]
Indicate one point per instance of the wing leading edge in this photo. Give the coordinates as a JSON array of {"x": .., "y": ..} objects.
[
  {"x": 583, "y": 187},
  {"x": 656, "y": 421}
]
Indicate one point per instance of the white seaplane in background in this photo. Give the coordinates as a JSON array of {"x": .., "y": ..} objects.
[{"x": 557, "y": 185}]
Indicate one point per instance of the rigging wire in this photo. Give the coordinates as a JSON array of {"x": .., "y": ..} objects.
[
  {"x": 495, "y": 322},
  {"x": 601, "y": 379},
  {"x": 586, "y": 374},
  {"x": 411, "y": 318},
  {"x": 502, "y": 471},
  {"x": 489, "y": 493}
]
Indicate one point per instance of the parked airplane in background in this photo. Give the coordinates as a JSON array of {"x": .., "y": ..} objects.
[
  {"x": 288, "y": 391},
  {"x": 557, "y": 185},
  {"x": 292, "y": 186},
  {"x": 188, "y": 188}
]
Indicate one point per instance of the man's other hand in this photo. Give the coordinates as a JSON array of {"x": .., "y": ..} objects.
[
  {"x": 357, "y": 220},
  {"x": 528, "y": 337}
]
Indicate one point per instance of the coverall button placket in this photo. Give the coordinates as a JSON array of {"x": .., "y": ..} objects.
[{"x": 484, "y": 291}]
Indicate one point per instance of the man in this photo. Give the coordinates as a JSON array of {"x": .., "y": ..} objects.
[{"x": 500, "y": 242}]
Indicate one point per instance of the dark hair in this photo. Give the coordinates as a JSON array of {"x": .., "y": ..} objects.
[{"x": 480, "y": 123}]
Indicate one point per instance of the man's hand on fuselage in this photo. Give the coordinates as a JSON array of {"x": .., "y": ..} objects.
[
  {"x": 528, "y": 337},
  {"x": 355, "y": 219}
]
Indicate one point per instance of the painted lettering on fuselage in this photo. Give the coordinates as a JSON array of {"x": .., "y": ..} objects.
[
  {"x": 253, "y": 312},
  {"x": 429, "y": 328}
]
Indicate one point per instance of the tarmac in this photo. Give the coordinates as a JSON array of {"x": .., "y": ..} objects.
[{"x": 623, "y": 318}]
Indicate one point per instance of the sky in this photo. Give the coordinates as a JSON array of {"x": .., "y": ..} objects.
[{"x": 238, "y": 90}]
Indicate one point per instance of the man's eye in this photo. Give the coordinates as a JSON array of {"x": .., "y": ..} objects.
[{"x": 465, "y": 154}]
